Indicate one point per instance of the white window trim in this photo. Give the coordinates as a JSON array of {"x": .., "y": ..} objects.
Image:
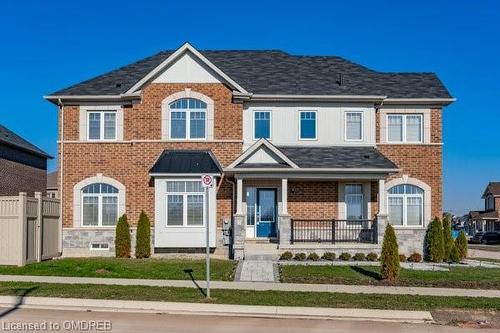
[
  {"x": 99, "y": 248},
  {"x": 403, "y": 124},
  {"x": 101, "y": 124},
  {"x": 315, "y": 126},
  {"x": 77, "y": 199},
  {"x": 99, "y": 209},
  {"x": 426, "y": 203},
  {"x": 405, "y": 209},
  {"x": 345, "y": 126},
  {"x": 184, "y": 205},
  {"x": 188, "y": 124},
  {"x": 354, "y": 195},
  {"x": 270, "y": 124}
]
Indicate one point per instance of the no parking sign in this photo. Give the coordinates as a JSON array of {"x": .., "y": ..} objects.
[{"x": 207, "y": 181}]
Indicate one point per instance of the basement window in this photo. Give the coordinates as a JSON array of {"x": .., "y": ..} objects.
[{"x": 99, "y": 246}]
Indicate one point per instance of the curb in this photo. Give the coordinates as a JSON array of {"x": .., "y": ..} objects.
[{"x": 215, "y": 309}]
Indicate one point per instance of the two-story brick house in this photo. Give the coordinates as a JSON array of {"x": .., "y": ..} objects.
[
  {"x": 309, "y": 152},
  {"x": 489, "y": 218}
]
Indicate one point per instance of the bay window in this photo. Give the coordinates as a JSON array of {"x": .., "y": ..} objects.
[{"x": 185, "y": 203}]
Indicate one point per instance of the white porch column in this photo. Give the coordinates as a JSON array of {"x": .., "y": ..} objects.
[
  {"x": 284, "y": 196},
  {"x": 239, "y": 196},
  {"x": 382, "y": 204}
]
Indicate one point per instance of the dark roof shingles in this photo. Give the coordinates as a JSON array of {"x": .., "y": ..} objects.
[
  {"x": 338, "y": 157},
  {"x": 12, "y": 139},
  {"x": 276, "y": 72}
]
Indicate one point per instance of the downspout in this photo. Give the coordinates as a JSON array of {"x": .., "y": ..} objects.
[{"x": 61, "y": 177}]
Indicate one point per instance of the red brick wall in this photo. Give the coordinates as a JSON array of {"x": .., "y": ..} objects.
[
  {"x": 129, "y": 162},
  {"x": 422, "y": 161},
  {"x": 313, "y": 199}
]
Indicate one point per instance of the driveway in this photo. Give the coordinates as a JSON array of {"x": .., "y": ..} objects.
[{"x": 484, "y": 251}]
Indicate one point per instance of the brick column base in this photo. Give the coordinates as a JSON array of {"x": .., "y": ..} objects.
[{"x": 381, "y": 224}]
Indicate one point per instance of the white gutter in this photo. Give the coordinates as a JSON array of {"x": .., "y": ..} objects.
[
  {"x": 420, "y": 101},
  {"x": 61, "y": 175},
  {"x": 317, "y": 170},
  {"x": 120, "y": 97}
]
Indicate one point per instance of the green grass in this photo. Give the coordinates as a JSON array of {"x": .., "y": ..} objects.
[
  {"x": 248, "y": 297},
  {"x": 170, "y": 269},
  {"x": 457, "y": 277}
]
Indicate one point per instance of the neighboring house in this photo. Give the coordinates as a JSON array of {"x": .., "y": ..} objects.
[
  {"x": 23, "y": 166},
  {"x": 489, "y": 218},
  {"x": 295, "y": 142},
  {"x": 52, "y": 184}
]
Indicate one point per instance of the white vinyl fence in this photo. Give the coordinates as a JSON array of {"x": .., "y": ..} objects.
[{"x": 30, "y": 229}]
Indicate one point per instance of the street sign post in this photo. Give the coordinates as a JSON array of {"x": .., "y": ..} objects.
[{"x": 207, "y": 181}]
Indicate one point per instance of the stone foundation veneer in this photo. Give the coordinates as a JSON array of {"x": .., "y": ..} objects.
[{"x": 239, "y": 235}]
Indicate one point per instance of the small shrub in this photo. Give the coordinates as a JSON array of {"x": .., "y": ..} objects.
[
  {"x": 344, "y": 256},
  {"x": 372, "y": 256},
  {"x": 359, "y": 257},
  {"x": 415, "y": 257},
  {"x": 434, "y": 241},
  {"x": 461, "y": 243},
  {"x": 286, "y": 255},
  {"x": 454, "y": 255},
  {"x": 389, "y": 266},
  {"x": 402, "y": 258},
  {"x": 143, "y": 237},
  {"x": 300, "y": 256},
  {"x": 330, "y": 256},
  {"x": 122, "y": 238},
  {"x": 313, "y": 256},
  {"x": 448, "y": 241}
]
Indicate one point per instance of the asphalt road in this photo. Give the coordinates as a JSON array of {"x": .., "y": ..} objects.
[{"x": 68, "y": 321}]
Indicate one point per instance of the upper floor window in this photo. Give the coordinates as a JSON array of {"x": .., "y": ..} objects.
[
  {"x": 406, "y": 205},
  {"x": 354, "y": 126},
  {"x": 188, "y": 119},
  {"x": 490, "y": 202},
  {"x": 262, "y": 124},
  {"x": 99, "y": 205},
  {"x": 101, "y": 125},
  {"x": 185, "y": 203},
  {"x": 308, "y": 124},
  {"x": 404, "y": 128},
  {"x": 354, "y": 201}
]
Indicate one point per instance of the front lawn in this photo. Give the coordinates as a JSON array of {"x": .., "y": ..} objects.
[
  {"x": 457, "y": 277},
  {"x": 166, "y": 269},
  {"x": 248, "y": 297}
]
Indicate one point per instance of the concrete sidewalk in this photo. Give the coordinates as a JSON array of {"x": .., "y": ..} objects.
[
  {"x": 78, "y": 304},
  {"x": 261, "y": 286}
]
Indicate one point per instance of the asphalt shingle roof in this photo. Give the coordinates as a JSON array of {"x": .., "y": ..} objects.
[
  {"x": 338, "y": 157},
  {"x": 10, "y": 138},
  {"x": 493, "y": 188},
  {"x": 279, "y": 73},
  {"x": 186, "y": 161}
]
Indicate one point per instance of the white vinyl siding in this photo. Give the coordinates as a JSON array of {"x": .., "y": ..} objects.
[
  {"x": 101, "y": 125},
  {"x": 405, "y": 128},
  {"x": 354, "y": 126},
  {"x": 185, "y": 203}
]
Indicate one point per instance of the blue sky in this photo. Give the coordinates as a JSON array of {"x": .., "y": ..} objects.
[{"x": 48, "y": 45}]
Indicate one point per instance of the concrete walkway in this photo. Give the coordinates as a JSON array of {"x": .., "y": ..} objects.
[
  {"x": 261, "y": 286},
  {"x": 257, "y": 271},
  {"x": 97, "y": 305}
]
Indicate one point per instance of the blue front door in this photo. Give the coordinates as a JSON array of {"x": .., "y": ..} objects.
[{"x": 266, "y": 212}]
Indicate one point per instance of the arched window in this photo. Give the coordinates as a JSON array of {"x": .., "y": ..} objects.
[
  {"x": 99, "y": 205},
  {"x": 406, "y": 205},
  {"x": 188, "y": 119}
]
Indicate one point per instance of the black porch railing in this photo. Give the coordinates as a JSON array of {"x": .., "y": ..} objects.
[{"x": 333, "y": 231}]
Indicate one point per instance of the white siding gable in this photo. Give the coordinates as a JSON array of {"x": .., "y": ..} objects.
[
  {"x": 187, "y": 69},
  {"x": 263, "y": 155}
]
